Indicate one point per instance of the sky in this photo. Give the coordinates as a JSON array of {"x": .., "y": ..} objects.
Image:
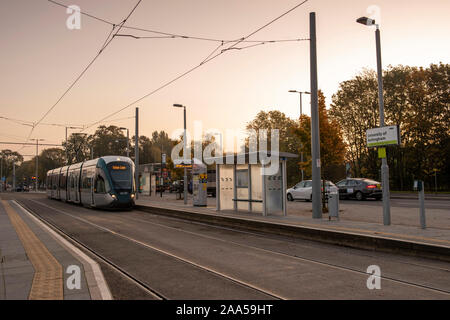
[{"x": 41, "y": 57}]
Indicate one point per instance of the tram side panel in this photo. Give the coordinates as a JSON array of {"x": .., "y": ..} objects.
[{"x": 87, "y": 176}]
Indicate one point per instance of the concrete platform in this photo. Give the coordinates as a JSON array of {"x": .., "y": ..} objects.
[
  {"x": 38, "y": 264},
  {"x": 433, "y": 242}
]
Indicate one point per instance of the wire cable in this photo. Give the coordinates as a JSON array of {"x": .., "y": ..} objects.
[
  {"x": 105, "y": 44},
  {"x": 165, "y": 35},
  {"x": 208, "y": 59}
]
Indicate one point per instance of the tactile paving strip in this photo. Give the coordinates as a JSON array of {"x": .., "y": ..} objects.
[{"x": 48, "y": 277}]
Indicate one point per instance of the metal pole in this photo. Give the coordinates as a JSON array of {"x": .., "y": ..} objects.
[
  {"x": 217, "y": 188},
  {"x": 185, "y": 155},
  {"x": 37, "y": 163},
  {"x": 435, "y": 181},
  {"x": 136, "y": 154},
  {"x": 384, "y": 165},
  {"x": 67, "y": 155},
  {"x": 14, "y": 175},
  {"x": 315, "y": 135},
  {"x": 301, "y": 153},
  {"x": 1, "y": 174},
  {"x": 128, "y": 143},
  {"x": 422, "y": 205},
  {"x": 284, "y": 185},
  {"x": 301, "y": 108},
  {"x": 161, "y": 184}
]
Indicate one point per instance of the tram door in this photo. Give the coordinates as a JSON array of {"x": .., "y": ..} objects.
[
  {"x": 92, "y": 190},
  {"x": 76, "y": 188},
  {"x": 69, "y": 186}
]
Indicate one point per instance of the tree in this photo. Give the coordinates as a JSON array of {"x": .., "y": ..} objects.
[
  {"x": 332, "y": 146},
  {"x": 77, "y": 147},
  {"x": 8, "y": 159},
  {"x": 108, "y": 141},
  {"x": 288, "y": 141},
  {"x": 417, "y": 100},
  {"x": 50, "y": 159}
]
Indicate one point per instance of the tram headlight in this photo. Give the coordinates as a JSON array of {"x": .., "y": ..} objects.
[
  {"x": 113, "y": 196},
  {"x": 132, "y": 196}
]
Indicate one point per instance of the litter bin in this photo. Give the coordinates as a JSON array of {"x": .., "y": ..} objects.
[{"x": 333, "y": 205}]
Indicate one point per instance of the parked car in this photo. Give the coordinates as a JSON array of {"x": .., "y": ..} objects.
[
  {"x": 303, "y": 190},
  {"x": 22, "y": 188},
  {"x": 359, "y": 188}
]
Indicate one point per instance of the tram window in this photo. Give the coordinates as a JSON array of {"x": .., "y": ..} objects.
[
  {"x": 86, "y": 183},
  {"x": 100, "y": 185},
  {"x": 121, "y": 175}
]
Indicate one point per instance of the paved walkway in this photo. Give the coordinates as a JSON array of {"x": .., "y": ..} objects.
[
  {"x": 367, "y": 219},
  {"x": 36, "y": 264}
]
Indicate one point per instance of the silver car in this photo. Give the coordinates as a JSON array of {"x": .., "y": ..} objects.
[{"x": 303, "y": 190}]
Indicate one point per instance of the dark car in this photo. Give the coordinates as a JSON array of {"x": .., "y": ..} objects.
[
  {"x": 359, "y": 188},
  {"x": 22, "y": 188}
]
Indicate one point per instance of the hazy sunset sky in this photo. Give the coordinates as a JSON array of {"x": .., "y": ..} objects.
[{"x": 40, "y": 58}]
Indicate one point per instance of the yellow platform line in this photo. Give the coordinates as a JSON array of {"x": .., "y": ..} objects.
[{"x": 48, "y": 277}]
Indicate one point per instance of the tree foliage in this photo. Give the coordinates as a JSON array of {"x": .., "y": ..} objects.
[
  {"x": 416, "y": 99},
  {"x": 332, "y": 146}
]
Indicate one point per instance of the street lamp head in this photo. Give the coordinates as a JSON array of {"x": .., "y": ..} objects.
[
  {"x": 176, "y": 105},
  {"x": 307, "y": 92},
  {"x": 366, "y": 21},
  {"x": 122, "y": 128},
  {"x": 293, "y": 91}
]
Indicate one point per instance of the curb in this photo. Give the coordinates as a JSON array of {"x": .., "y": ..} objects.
[
  {"x": 352, "y": 240},
  {"x": 417, "y": 198}
]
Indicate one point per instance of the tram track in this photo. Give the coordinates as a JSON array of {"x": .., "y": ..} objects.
[
  {"x": 93, "y": 252},
  {"x": 213, "y": 238},
  {"x": 265, "y": 235},
  {"x": 295, "y": 256},
  {"x": 125, "y": 273}
]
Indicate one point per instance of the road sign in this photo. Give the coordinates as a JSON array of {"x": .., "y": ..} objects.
[
  {"x": 381, "y": 153},
  {"x": 163, "y": 156},
  {"x": 383, "y": 136}
]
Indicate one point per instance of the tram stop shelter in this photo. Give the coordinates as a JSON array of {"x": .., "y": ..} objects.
[{"x": 243, "y": 184}]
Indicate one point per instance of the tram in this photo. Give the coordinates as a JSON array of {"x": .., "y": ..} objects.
[{"x": 106, "y": 182}]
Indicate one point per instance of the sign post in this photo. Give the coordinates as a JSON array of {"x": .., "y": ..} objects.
[{"x": 382, "y": 137}]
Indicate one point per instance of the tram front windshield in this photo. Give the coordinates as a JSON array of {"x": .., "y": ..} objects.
[{"x": 121, "y": 175}]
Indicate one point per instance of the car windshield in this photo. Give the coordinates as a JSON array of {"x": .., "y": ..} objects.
[{"x": 120, "y": 175}]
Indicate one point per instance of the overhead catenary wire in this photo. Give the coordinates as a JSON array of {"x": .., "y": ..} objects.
[
  {"x": 209, "y": 58},
  {"x": 105, "y": 44},
  {"x": 167, "y": 35}
]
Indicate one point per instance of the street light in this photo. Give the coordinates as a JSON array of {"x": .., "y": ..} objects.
[
  {"x": 37, "y": 161},
  {"x": 300, "y": 92},
  {"x": 301, "y": 113},
  {"x": 384, "y": 166},
  {"x": 184, "y": 152},
  {"x": 128, "y": 140}
]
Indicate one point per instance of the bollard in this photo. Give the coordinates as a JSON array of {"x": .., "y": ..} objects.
[{"x": 419, "y": 186}]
